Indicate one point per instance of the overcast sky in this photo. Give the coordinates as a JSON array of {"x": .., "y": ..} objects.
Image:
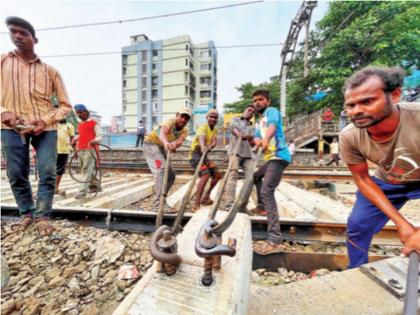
[{"x": 96, "y": 80}]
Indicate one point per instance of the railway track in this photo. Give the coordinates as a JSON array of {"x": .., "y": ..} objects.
[
  {"x": 304, "y": 173},
  {"x": 144, "y": 222}
]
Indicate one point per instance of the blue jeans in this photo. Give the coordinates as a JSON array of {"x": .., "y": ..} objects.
[
  {"x": 18, "y": 166},
  {"x": 366, "y": 219}
]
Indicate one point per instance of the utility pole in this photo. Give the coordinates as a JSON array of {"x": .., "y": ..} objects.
[{"x": 303, "y": 18}]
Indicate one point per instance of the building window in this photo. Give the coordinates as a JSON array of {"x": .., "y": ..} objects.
[
  {"x": 205, "y": 80},
  {"x": 144, "y": 68},
  {"x": 143, "y": 56},
  {"x": 143, "y": 108},
  {"x": 143, "y": 95},
  {"x": 186, "y": 47},
  {"x": 124, "y": 108},
  {"x": 154, "y": 66},
  {"x": 154, "y": 121},
  {"x": 191, "y": 65},
  {"x": 205, "y": 66},
  {"x": 124, "y": 70},
  {"x": 186, "y": 61},
  {"x": 144, "y": 82},
  {"x": 155, "y": 80},
  {"x": 155, "y": 53},
  {"x": 205, "y": 93},
  {"x": 186, "y": 90},
  {"x": 205, "y": 53},
  {"x": 124, "y": 60},
  {"x": 124, "y": 83},
  {"x": 155, "y": 107},
  {"x": 154, "y": 93},
  {"x": 186, "y": 76}
]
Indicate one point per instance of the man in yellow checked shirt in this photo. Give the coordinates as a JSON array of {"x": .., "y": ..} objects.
[
  {"x": 205, "y": 140},
  {"x": 169, "y": 136}
]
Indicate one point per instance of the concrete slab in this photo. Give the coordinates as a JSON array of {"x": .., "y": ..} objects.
[
  {"x": 350, "y": 292},
  {"x": 183, "y": 293},
  {"x": 342, "y": 188}
]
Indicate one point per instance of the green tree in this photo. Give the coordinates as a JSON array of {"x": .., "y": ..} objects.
[
  {"x": 246, "y": 91},
  {"x": 350, "y": 36}
]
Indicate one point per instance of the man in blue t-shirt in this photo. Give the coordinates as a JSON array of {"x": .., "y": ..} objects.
[{"x": 269, "y": 135}]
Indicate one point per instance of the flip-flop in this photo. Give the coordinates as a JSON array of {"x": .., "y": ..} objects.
[
  {"x": 60, "y": 192},
  {"x": 43, "y": 227},
  {"x": 22, "y": 224},
  {"x": 206, "y": 202},
  {"x": 270, "y": 248}
]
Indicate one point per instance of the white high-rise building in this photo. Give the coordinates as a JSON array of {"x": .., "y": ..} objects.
[{"x": 161, "y": 77}]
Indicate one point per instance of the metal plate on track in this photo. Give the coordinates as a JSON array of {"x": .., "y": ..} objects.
[{"x": 390, "y": 274}]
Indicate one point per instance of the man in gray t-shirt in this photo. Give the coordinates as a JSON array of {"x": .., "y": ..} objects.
[
  {"x": 385, "y": 132},
  {"x": 242, "y": 130}
]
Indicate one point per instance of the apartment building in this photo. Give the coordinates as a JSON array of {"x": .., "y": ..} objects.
[{"x": 160, "y": 77}]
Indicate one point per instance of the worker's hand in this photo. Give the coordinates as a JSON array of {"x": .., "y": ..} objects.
[
  {"x": 170, "y": 146},
  {"x": 405, "y": 231},
  {"x": 10, "y": 119},
  {"x": 38, "y": 126},
  {"x": 257, "y": 142},
  {"x": 264, "y": 145},
  {"x": 412, "y": 244}
]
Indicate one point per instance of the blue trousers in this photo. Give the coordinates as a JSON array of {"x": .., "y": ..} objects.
[
  {"x": 17, "y": 157},
  {"x": 366, "y": 219}
]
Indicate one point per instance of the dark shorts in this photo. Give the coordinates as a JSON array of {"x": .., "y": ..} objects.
[
  {"x": 61, "y": 163},
  {"x": 208, "y": 167}
]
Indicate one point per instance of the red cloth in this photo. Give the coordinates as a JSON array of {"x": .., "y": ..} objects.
[
  {"x": 86, "y": 134},
  {"x": 328, "y": 115}
]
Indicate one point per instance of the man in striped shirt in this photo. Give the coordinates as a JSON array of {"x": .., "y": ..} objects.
[{"x": 29, "y": 117}]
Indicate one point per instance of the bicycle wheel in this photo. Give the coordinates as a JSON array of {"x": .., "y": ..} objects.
[{"x": 76, "y": 170}]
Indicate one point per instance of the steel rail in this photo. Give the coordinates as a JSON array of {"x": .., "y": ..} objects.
[{"x": 144, "y": 222}]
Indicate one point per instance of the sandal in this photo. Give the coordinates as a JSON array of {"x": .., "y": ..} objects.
[
  {"x": 21, "y": 225},
  {"x": 206, "y": 202},
  {"x": 258, "y": 211},
  {"x": 269, "y": 248},
  {"x": 43, "y": 227}
]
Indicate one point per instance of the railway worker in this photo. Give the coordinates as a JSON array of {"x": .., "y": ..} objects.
[
  {"x": 269, "y": 135},
  {"x": 169, "y": 136},
  {"x": 65, "y": 135},
  {"x": 242, "y": 130},
  {"x": 89, "y": 135},
  {"x": 334, "y": 149},
  {"x": 386, "y": 133},
  {"x": 205, "y": 140},
  {"x": 28, "y": 117}
]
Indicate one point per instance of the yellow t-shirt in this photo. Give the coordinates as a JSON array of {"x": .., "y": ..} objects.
[
  {"x": 174, "y": 134},
  {"x": 203, "y": 130},
  {"x": 64, "y": 132}
]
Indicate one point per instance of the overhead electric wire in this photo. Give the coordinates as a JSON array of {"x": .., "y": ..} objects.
[
  {"x": 167, "y": 49},
  {"x": 145, "y": 18}
]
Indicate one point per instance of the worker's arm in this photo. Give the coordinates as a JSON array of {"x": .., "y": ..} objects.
[
  {"x": 375, "y": 195},
  {"x": 55, "y": 114},
  {"x": 164, "y": 132},
  {"x": 202, "y": 142},
  {"x": 98, "y": 135},
  {"x": 271, "y": 130}
]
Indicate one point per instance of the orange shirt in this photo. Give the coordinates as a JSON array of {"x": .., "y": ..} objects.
[{"x": 27, "y": 88}]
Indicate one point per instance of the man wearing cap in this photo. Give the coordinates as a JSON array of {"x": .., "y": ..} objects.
[
  {"x": 89, "y": 136},
  {"x": 168, "y": 136},
  {"x": 65, "y": 135},
  {"x": 28, "y": 117},
  {"x": 205, "y": 140}
]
